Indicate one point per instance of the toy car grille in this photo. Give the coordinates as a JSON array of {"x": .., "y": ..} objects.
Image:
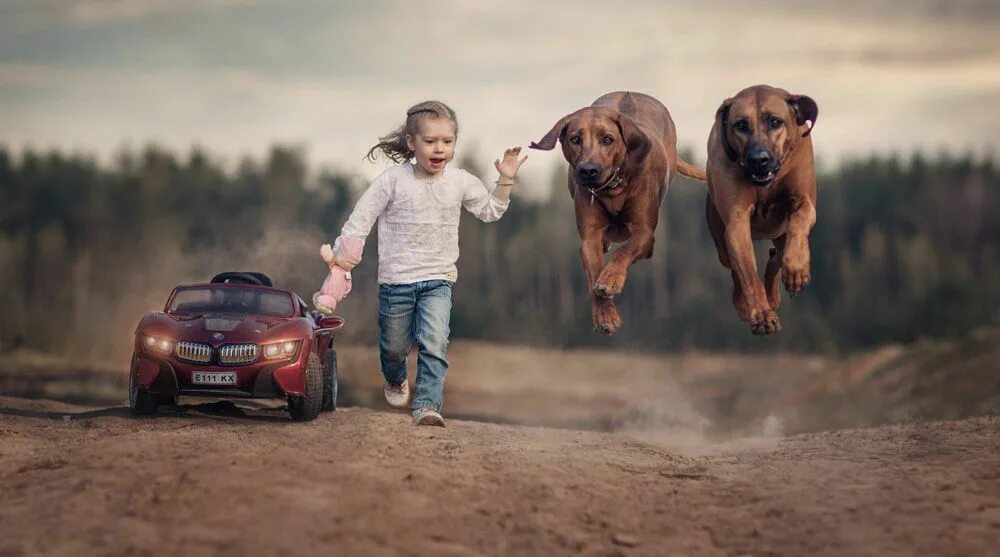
[
  {"x": 238, "y": 354},
  {"x": 194, "y": 352}
]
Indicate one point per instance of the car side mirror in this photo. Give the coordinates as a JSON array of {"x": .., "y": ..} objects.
[{"x": 331, "y": 322}]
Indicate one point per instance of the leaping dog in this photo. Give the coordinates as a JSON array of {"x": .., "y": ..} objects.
[
  {"x": 622, "y": 155},
  {"x": 762, "y": 185}
]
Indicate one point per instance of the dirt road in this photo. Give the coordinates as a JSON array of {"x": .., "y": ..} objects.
[{"x": 215, "y": 480}]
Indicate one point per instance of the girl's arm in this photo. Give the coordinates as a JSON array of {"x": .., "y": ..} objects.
[
  {"x": 490, "y": 206},
  {"x": 367, "y": 210},
  {"x": 508, "y": 171}
]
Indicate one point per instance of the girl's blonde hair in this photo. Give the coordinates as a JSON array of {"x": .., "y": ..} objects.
[{"x": 394, "y": 147}]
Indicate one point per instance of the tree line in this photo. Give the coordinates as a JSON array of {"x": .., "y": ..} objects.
[{"x": 904, "y": 247}]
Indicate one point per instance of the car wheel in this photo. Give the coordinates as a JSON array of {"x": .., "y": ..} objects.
[
  {"x": 140, "y": 401},
  {"x": 330, "y": 381},
  {"x": 166, "y": 400},
  {"x": 305, "y": 408}
]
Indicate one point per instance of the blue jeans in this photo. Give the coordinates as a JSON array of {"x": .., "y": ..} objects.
[{"x": 418, "y": 312}]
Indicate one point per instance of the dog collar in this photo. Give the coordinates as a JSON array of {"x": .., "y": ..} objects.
[{"x": 611, "y": 183}]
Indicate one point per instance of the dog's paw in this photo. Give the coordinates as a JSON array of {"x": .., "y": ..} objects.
[
  {"x": 764, "y": 322},
  {"x": 795, "y": 276},
  {"x": 606, "y": 318},
  {"x": 609, "y": 284},
  {"x": 603, "y": 291}
]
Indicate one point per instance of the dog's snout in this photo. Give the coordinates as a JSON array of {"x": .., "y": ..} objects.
[
  {"x": 761, "y": 165},
  {"x": 587, "y": 171},
  {"x": 759, "y": 158}
]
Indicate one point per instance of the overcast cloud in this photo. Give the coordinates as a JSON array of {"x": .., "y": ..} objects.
[{"x": 237, "y": 76}]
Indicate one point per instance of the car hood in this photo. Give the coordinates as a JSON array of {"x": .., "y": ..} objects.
[{"x": 224, "y": 329}]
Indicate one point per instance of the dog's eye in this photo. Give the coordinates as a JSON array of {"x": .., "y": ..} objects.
[
  {"x": 741, "y": 126},
  {"x": 607, "y": 140},
  {"x": 576, "y": 140},
  {"x": 775, "y": 123}
]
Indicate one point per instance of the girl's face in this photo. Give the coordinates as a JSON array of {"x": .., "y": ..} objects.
[{"x": 434, "y": 145}]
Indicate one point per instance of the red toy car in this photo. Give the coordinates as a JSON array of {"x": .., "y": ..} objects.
[{"x": 235, "y": 337}]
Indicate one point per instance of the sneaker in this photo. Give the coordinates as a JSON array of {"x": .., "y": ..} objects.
[
  {"x": 398, "y": 396},
  {"x": 427, "y": 416}
]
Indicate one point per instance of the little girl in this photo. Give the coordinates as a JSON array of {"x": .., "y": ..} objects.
[{"x": 417, "y": 204}]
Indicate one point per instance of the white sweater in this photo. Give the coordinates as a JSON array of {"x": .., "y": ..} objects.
[{"x": 418, "y": 221}]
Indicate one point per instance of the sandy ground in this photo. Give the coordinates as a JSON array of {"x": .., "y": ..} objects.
[
  {"x": 547, "y": 451},
  {"x": 217, "y": 480}
]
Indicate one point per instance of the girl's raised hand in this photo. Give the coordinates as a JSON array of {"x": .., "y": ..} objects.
[{"x": 510, "y": 165}]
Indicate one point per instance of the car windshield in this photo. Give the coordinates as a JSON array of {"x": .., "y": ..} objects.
[{"x": 230, "y": 300}]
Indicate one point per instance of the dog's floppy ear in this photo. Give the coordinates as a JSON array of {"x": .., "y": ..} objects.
[
  {"x": 548, "y": 142},
  {"x": 637, "y": 143},
  {"x": 722, "y": 121},
  {"x": 805, "y": 110}
]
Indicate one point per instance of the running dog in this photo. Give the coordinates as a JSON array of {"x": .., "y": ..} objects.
[
  {"x": 622, "y": 155},
  {"x": 762, "y": 185}
]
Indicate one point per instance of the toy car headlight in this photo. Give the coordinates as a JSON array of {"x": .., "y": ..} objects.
[
  {"x": 280, "y": 350},
  {"x": 157, "y": 344}
]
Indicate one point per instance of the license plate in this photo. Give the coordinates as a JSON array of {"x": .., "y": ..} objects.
[{"x": 214, "y": 378}]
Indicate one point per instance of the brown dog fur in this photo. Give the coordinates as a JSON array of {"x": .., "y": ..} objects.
[
  {"x": 747, "y": 201},
  {"x": 631, "y": 136}
]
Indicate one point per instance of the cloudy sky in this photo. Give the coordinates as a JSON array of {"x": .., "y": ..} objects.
[{"x": 236, "y": 76}]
